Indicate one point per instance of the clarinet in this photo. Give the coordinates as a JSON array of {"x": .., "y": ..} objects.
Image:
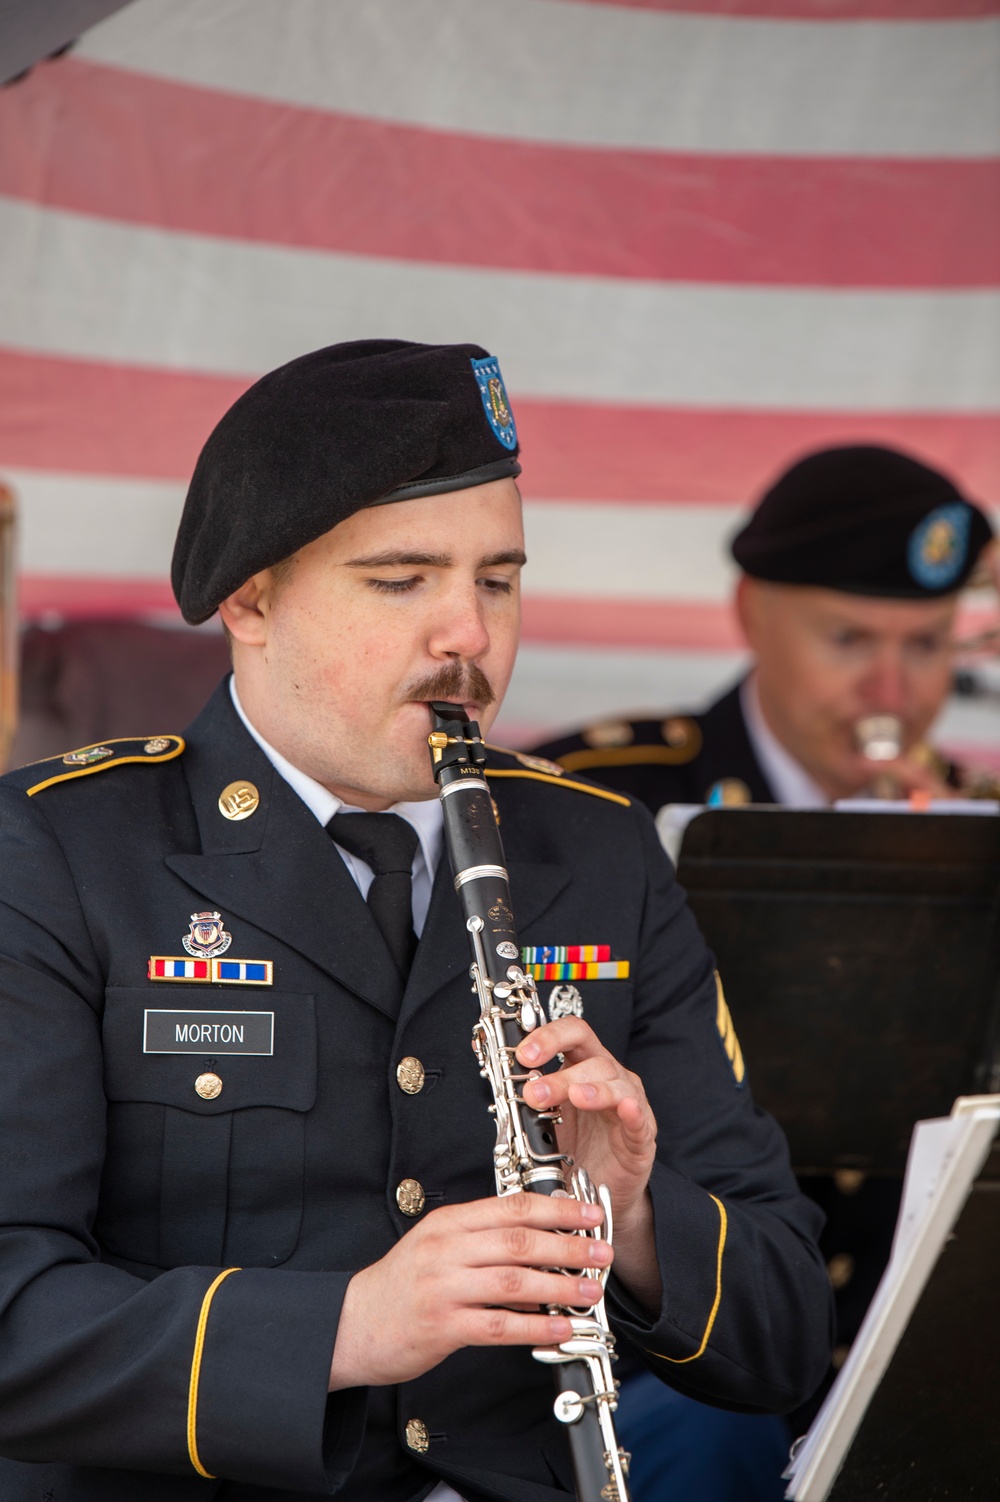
[{"x": 526, "y": 1157}]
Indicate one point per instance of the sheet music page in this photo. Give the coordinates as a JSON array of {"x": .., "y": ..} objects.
[{"x": 946, "y": 1154}]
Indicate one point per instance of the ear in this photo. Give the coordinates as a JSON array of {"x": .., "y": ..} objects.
[
  {"x": 747, "y": 604},
  {"x": 244, "y": 612}
]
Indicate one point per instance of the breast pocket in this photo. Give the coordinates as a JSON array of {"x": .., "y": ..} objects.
[{"x": 207, "y": 1096}]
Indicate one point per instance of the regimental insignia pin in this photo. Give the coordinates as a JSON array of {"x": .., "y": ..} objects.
[
  {"x": 206, "y": 937},
  {"x": 728, "y": 792},
  {"x": 938, "y": 545},
  {"x": 495, "y": 403},
  {"x": 156, "y": 745},
  {"x": 87, "y": 756},
  {"x": 565, "y": 1001}
]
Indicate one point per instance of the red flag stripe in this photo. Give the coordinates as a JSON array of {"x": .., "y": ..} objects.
[
  {"x": 358, "y": 186},
  {"x": 88, "y": 417}
]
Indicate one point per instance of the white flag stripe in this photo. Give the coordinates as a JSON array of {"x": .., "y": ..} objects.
[
  {"x": 558, "y": 687},
  {"x": 629, "y": 552},
  {"x": 99, "y": 525},
  {"x": 586, "y": 74},
  {"x": 75, "y": 285},
  {"x": 109, "y": 527}
]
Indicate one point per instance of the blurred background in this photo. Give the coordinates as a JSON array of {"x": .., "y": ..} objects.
[{"x": 702, "y": 237}]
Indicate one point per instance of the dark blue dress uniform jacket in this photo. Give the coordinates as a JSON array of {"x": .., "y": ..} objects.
[{"x": 128, "y": 1367}]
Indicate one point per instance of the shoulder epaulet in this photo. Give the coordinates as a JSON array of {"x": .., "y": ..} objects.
[
  {"x": 540, "y": 769},
  {"x": 101, "y": 757},
  {"x": 634, "y": 743}
]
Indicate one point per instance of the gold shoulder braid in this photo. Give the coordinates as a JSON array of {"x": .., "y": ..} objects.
[
  {"x": 104, "y": 755},
  {"x": 540, "y": 769},
  {"x": 613, "y": 744}
]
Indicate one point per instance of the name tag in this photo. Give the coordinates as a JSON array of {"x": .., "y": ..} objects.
[{"x": 207, "y": 1032}]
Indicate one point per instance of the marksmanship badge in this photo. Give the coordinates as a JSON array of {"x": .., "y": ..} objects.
[
  {"x": 938, "y": 545},
  {"x": 495, "y": 403},
  {"x": 207, "y": 936},
  {"x": 565, "y": 1001}
]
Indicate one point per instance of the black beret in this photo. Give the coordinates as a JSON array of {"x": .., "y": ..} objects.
[
  {"x": 867, "y": 521},
  {"x": 350, "y": 426}
]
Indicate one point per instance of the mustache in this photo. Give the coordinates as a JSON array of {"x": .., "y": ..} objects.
[{"x": 456, "y": 683}]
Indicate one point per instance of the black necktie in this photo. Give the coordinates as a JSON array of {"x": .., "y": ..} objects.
[{"x": 387, "y": 844}]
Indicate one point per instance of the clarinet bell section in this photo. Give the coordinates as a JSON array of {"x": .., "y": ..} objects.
[{"x": 526, "y": 1156}]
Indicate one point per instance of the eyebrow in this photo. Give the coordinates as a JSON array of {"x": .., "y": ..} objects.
[{"x": 400, "y": 558}]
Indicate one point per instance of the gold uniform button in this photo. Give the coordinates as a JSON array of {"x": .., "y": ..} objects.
[
  {"x": 410, "y": 1075},
  {"x": 409, "y": 1196},
  {"x": 208, "y": 1086},
  {"x": 238, "y": 800},
  {"x": 417, "y": 1437}
]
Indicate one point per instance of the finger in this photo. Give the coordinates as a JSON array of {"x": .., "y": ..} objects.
[
  {"x": 567, "y": 1035},
  {"x": 539, "y": 1211},
  {"x": 520, "y": 1246},
  {"x": 552, "y": 1089},
  {"x": 506, "y": 1327},
  {"x": 508, "y": 1286}
]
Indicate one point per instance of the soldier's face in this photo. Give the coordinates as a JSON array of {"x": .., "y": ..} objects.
[
  {"x": 826, "y": 659},
  {"x": 338, "y": 652}
]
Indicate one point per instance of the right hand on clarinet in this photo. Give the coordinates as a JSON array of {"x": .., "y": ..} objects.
[{"x": 467, "y": 1275}]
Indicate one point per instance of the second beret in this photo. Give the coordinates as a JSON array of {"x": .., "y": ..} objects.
[{"x": 865, "y": 520}]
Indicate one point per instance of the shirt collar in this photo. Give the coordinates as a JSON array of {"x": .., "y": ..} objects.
[
  {"x": 791, "y": 784},
  {"x": 426, "y": 816}
]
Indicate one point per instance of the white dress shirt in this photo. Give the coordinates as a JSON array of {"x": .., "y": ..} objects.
[
  {"x": 426, "y": 818},
  {"x": 791, "y": 784}
]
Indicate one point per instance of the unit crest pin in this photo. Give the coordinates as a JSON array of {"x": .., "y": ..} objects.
[{"x": 207, "y": 937}]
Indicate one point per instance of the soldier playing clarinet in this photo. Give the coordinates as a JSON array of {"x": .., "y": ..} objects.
[{"x": 251, "y": 1247}]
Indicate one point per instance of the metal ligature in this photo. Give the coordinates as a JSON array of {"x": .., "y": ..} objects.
[{"x": 526, "y": 1158}]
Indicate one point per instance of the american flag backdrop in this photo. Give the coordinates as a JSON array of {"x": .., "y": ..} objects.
[{"x": 702, "y": 236}]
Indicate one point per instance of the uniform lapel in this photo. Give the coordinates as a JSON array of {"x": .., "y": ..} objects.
[
  {"x": 277, "y": 869},
  {"x": 443, "y": 951}
]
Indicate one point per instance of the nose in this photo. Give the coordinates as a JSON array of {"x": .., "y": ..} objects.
[
  {"x": 459, "y": 631},
  {"x": 885, "y": 686}
]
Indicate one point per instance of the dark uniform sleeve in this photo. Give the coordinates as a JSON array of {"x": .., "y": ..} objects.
[
  {"x": 198, "y": 1371},
  {"x": 745, "y": 1318}
]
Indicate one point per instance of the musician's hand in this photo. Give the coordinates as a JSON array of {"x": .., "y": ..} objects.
[
  {"x": 909, "y": 774},
  {"x": 608, "y": 1128},
  {"x": 466, "y": 1275}
]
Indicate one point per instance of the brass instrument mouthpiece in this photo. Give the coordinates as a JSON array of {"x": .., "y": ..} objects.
[{"x": 879, "y": 737}]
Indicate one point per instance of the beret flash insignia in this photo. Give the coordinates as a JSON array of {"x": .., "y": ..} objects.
[
  {"x": 938, "y": 546},
  {"x": 495, "y": 403}
]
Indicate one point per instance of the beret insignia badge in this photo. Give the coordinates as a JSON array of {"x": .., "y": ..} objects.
[
  {"x": 938, "y": 545},
  {"x": 495, "y": 403}
]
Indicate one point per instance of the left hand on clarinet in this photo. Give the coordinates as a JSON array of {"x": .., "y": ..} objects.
[{"x": 608, "y": 1128}]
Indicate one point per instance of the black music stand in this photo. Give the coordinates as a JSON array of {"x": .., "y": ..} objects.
[{"x": 860, "y": 955}]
